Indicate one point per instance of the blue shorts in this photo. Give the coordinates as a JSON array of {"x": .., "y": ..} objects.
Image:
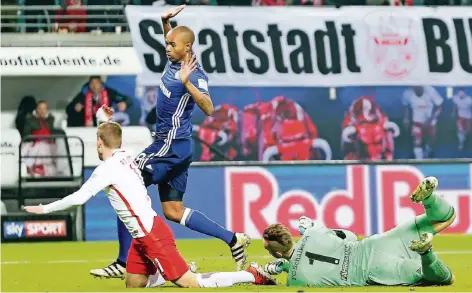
[{"x": 166, "y": 164}]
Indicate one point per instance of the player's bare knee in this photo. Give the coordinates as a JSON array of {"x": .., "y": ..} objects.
[
  {"x": 173, "y": 212},
  {"x": 173, "y": 215},
  {"x": 136, "y": 281},
  {"x": 188, "y": 280}
]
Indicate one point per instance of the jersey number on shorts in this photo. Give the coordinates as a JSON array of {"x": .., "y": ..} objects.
[{"x": 321, "y": 258}]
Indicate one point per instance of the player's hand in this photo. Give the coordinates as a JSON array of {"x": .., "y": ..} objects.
[
  {"x": 275, "y": 267},
  {"x": 187, "y": 68},
  {"x": 34, "y": 209},
  {"x": 172, "y": 12},
  {"x": 304, "y": 223},
  {"x": 108, "y": 110},
  {"x": 104, "y": 114}
]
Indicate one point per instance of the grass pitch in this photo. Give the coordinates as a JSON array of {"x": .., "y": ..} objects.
[{"x": 64, "y": 266}]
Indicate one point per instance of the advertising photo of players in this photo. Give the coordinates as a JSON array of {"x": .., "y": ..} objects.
[{"x": 349, "y": 123}]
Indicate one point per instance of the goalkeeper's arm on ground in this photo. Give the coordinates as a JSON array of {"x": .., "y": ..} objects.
[
  {"x": 345, "y": 234},
  {"x": 305, "y": 223}
]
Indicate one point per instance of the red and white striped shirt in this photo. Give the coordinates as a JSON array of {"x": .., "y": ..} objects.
[{"x": 121, "y": 180}]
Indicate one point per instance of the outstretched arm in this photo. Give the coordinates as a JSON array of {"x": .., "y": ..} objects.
[
  {"x": 345, "y": 234},
  {"x": 97, "y": 182},
  {"x": 305, "y": 223}
]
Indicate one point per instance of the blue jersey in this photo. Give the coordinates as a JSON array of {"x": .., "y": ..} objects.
[{"x": 175, "y": 105}]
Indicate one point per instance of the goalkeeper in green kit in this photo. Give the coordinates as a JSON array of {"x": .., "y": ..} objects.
[{"x": 401, "y": 256}]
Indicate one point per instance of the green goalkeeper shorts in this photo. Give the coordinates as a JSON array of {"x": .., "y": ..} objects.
[{"x": 391, "y": 262}]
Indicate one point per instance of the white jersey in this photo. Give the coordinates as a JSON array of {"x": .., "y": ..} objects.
[
  {"x": 422, "y": 107},
  {"x": 464, "y": 106},
  {"x": 120, "y": 178}
]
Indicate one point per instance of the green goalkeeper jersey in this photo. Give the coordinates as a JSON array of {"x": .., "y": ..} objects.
[{"x": 322, "y": 259}]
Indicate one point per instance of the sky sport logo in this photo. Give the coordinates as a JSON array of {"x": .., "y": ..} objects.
[
  {"x": 14, "y": 229},
  {"x": 46, "y": 228}
]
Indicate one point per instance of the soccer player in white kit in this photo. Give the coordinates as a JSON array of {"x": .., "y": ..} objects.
[
  {"x": 153, "y": 257},
  {"x": 463, "y": 110},
  {"x": 425, "y": 104}
]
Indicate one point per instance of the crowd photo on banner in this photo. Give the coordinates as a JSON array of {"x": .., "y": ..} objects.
[{"x": 315, "y": 123}]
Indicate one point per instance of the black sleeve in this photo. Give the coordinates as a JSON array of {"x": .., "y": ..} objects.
[
  {"x": 152, "y": 117},
  {"x": 340, "y": 234},
  {"x": 27, "y": 128},
  {"x": 79, "y": 98}
]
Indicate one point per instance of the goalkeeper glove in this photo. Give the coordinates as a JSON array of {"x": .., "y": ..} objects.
[
  {"x": 277, "y": 266},
  {"x": 304, "y": 223}
]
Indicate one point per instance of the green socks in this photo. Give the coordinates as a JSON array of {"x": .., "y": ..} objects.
[
  {"x": 437, "y": 208},
  {"x": 434, "y": 269}
]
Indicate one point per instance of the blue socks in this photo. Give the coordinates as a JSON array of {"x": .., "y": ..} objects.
[
  {"x": 124, "y": 238},
  {"x": 197, "y": 221}
]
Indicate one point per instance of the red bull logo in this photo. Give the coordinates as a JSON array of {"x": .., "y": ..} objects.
[
  {"x": 392, "y": 46},
  {"x": 374, "y": 198}
]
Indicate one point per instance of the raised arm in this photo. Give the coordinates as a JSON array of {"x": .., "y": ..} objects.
[
  {"x": 166, "y": 16},
  {"x": 196, "y": 85}
]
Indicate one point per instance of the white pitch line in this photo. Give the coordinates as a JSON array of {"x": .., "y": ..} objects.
[{"x": 22, "y": 262}]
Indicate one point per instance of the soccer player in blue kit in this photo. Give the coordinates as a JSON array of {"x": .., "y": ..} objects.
[{"x": 166, "y": 161}]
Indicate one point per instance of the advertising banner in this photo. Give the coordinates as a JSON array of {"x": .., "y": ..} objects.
[
  {"x": 29, "y": 228},
  {"x": 366, "y": 199},
  {"x": 10, "y": 153},
  {"x": 281, "y": 46},
  {"x": 72, "y": 61}
]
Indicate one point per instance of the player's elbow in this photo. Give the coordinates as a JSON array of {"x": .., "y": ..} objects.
[{"x": 208, "y": 110}]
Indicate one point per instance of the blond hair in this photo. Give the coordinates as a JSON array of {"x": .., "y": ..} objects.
[
  {"x": 278, "y": 238},
  {"x": 110, "y": 134}
]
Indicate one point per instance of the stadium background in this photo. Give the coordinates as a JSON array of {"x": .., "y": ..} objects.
[{"x": 367, "y": 197}]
